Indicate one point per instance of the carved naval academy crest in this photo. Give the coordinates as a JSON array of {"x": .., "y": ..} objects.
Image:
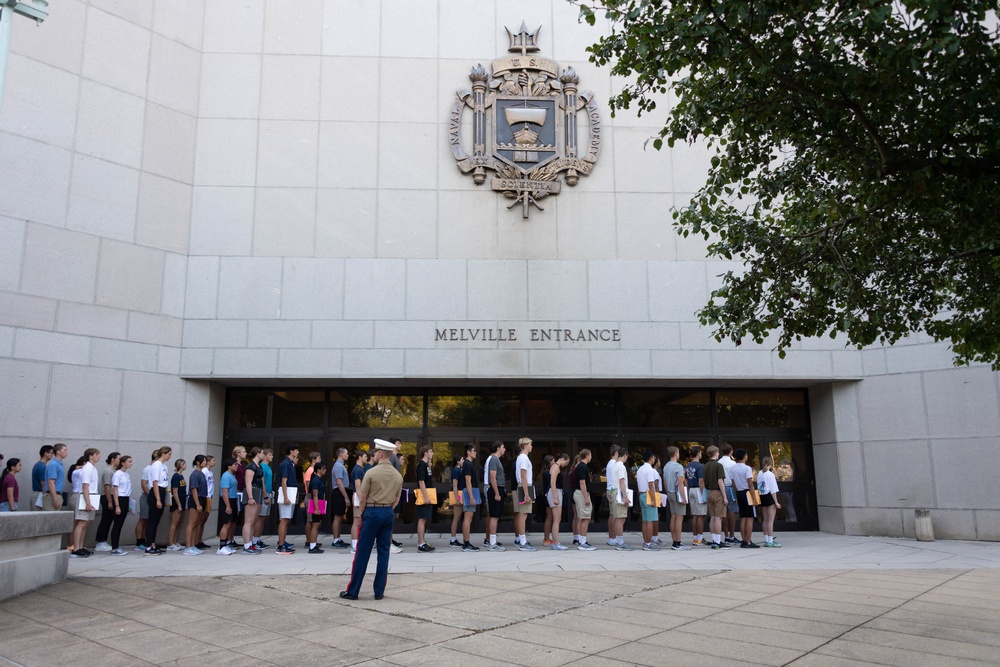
[{"x": 525, "y": 125}]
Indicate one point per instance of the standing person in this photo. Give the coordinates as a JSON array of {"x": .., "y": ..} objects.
[
  {"x": 618, "y": 497},
  {"x": 206, "y": 507},
  {"x": 396, "y": 460},
  {"x": 240, "y": 454},
  {"x": 9, "y": 490},
  {"x": 378, "y": 496},
  {"x": 140, "y": 525},
  {"x": 425, "y": 481},
  {"x": 341, "y": 498},
  {"x": 523, "y": 501},
  {"x": 495, "y": 488},
  {"x": 647, "y": 482},
  {"x": 674, "y": 481},
  {"x": 158, "y": 484},
  {"x": 357, "y": 474},
  {"x": 611, "y": 493},
  {"x": 84, "y": 509},
  {"x": 55, "y": 478},
  {"x": 314, "y": 458},
  {"x": 732, "y": 509},
  {"x": 457, "y": 486},
  {"x": 265, "y": 508},
  {"x": 469, "y": 501},
  {"x": 546, "y": 477},
  {"x": 253, "y": 483},
  {"x": 121, "y": 493},
  {"x": 76, "y": 488},
  {"x": 715, "y": 482},
  {"x": 582, "y": 501},
  {"x": 767, "y": 485},
  {"x": 178, "y": 503},
  {"x": 694, "y": 473},
  {"x": 228, "y": 501},
  {"x": 287, "y": 496},
  {"x": 38, "y": 477},
  {"x": 107, "y": 502},
  {"x": 742, "y": 476},
  {"x": 317, "y": 492},
  {"x": 197, "y": 493},
  {"x": 555, "y": 498}
]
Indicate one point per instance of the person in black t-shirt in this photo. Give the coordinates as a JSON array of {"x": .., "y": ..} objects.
[
  {"x": 317, "y": 492},
  {"x": 457, "y": 484},
  {"x": 253, "y": 479},
  {"x": 425, "y": 481},
  {"x": 470, "y": 496},
  {"x": 582, "y": 501}
]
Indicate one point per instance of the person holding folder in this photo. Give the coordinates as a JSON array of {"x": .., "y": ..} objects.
[
  {"x": 287, "y": 491},
  {"x": 470, "y": 496},
  {"x": 676, "y": 483},
  {"x": 426, "y": 497},
  {"x": 647, "y": 482}
]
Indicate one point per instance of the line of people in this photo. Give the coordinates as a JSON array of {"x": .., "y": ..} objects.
[{"x": 723, "y": 488}]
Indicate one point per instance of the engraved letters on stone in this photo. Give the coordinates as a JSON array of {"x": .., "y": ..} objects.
[{"x": 525, "y": 125}]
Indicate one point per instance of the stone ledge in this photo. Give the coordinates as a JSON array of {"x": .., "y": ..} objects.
[
  {"x": 22, "y": 525},
  {"x": 31, "y": 555}
]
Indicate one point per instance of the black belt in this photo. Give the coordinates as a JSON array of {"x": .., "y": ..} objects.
[{"x": 378, "y": 504}]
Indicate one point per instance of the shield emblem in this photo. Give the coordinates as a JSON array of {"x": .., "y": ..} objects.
[{"x": 526, "y": 131}]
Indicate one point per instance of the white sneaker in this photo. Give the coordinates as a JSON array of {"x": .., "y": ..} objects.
[
  {"x": 175, "y": 547},
  {"x": 118, "y": 552},
  {"x": 102, "y": 546},
  {"x": 191, "y": 551},
  {"x": 224, "y": 551},
  {"x": 559, "y": 547},
  {"x": 393, "y": 549}
]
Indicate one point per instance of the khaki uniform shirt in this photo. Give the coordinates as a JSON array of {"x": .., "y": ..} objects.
[{"x": 382, "y": 484}]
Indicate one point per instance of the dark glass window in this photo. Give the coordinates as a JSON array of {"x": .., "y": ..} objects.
[
  {"x": 247, "y": 408},
  {"x": 297, "y": 409},
  {"x": 354, "y": 409},
  {"x": 762, "y": 408},
  {"x": 577, "y": 408},
  {"x": 662, "y": 408},
  {"x": 480, "y": 410}
]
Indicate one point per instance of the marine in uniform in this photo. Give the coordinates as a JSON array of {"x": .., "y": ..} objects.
[{"x": 378, "y": 495}]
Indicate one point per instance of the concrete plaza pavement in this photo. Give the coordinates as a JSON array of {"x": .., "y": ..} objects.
[{"x": 820, "y": 600}]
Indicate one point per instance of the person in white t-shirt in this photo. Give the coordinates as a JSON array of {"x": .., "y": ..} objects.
[
  {"x": 159, "y": 483},
  {"x": 647, "y": 482},
  {"x": 140, "y": 525},
  {"x": 619, "y": 501},
  {"x": 610, "y": 492},
  {"x": 522, "y": 499},
  {"x": 206, "y": 505},
  {"x": 767, "y": 484},
  {"x": 742, "y": 476},
  {"x": 83, "y": 507},
  {"x": 731, "y": 507}
]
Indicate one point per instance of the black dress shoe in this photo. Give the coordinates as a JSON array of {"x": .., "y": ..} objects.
[
  {"x": 379, "y": 597},
  {"x": 344, "y": 595}
]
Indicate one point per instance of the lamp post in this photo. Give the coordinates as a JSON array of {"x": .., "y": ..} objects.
[{"x": 33, "y": 9}]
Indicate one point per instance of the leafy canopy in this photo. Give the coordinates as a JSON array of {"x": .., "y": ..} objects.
[{"x": 857, "y": 152}]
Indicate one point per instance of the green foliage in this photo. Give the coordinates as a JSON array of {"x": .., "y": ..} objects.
[{"x": 856, "y": 159}]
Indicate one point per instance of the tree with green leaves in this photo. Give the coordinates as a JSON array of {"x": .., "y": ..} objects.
[{"x": 856, "y": 159}]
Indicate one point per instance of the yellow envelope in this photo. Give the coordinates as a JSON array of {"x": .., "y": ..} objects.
[
  {"x": 430, "y": 492},
  {"x": 653, "y": 498},
  {"x": 453, "y": 499}
]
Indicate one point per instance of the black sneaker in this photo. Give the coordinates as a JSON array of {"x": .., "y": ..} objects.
[
  {"x": 454, "y": 543},
  {"x": 425, "y": 548},
  {"x": 315, "y": 550},
  {"x": 339, "y": 544},
  {"x": 397, "y": 544},
  {"x": 749, "y": 545},
  {"x": 468, "y": 546},
  {"x": 80, "y": 553},
  {"x": 201, "y": 545}
]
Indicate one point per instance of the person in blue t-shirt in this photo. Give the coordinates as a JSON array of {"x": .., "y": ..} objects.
[
  {"x": 286, "y": 486},
  {"x": 55, "y": 477},
  {"x": 38, "y": 476},
  {"x": 361, "y": 466},
  {"x": 228, "y": 504},
  {"x": 694, "y": 473}
]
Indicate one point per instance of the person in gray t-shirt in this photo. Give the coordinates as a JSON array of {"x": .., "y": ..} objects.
[{"x": 494, "y": 491}]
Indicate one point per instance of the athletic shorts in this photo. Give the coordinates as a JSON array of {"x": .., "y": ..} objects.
[
  {"x": 716, "y": 505},
  {"x": 191, "y": 504},
  {"x": 649, "y": 512},
  {"x": 228, "y": 518},
  {"x": 766, "y": 500},
  {"x": 338, "y": 504},
  {"x": 552, "y": 495},
  {"x": 314, "y": 518},
  {"x": 494, "y": 507},
  {"x": 676, "y": 507},
  {"x": 746, "y": 510},
  {"x": 583, "y": 510},
  {"x": 424, "y": 512},
  {"x": 143, "y": 506},
  {"x": 257, "y": 495},
  {"x": 698, "y": 508},
  {"x": 265, "y": 508}
]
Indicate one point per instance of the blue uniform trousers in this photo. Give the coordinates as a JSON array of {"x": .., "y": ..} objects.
[{"x": 376, "y": 523}]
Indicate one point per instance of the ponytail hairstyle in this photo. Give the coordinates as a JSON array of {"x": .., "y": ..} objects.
[
  {"x": 79, "y": 464},
  {"x": 766, "y": 463},
  {"x": 111, "y": 457},
  {"x": 178, "y": 463},
  {"x": 198, "y": 460},
  {"x": 547, "y": 461},
  {"x": 11, "y": 464},
  {"x": 584, "y": 453},
  {"x": 163, "y": 450},
  {"x": 155, "y": 455},
  {"x": 123, "y": 460},
  {"x": 563, "y": 457}
]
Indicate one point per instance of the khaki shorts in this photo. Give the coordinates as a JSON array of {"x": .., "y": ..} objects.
[
  {"x": 677, "y": 508},
  {"x": 47, "y": 503},
  {"x": 618, "y": 510},
  {"x": 698, "y": 508},
  {"x": 716, "y": 504},
  {"x": 583, "y": 510}
]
